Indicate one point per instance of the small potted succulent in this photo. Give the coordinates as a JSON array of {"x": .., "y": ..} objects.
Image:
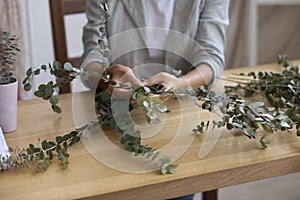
[{"x": 9, "y": 48}]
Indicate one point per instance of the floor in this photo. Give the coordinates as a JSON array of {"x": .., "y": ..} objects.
[{"x": 280, "y": 188}]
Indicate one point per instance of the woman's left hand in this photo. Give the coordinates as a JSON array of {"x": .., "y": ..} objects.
[{"x": 168, "y": 81}]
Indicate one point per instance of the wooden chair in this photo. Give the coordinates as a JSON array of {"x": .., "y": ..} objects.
[{"x": 58, "y": 9}]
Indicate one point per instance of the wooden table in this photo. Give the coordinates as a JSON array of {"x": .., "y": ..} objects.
[{"x": 234, "y": 160}]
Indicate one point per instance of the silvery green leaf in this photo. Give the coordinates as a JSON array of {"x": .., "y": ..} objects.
[
  {"x": 135, "y": 96},
  {"x": 68, "y": 66},
  {"x": 241, "y": 110},
  {"x": 56, "y": 90},
  {"x": 250, "y": 115},
  {"x": 261, "y": 110},
  {"x": 241, "y": 101},
  {"x": 256, "y": 105},
  {"x": 292, "y": 82},
  {"x": 146, "y": 104},
  {"x": 54, "y": 99},
  {"x": 267, "y": 128},
  {"x": 284, "y": 124},
  {"x": 147, "y": 89},
  {"x": 249, "y": 133},
  {"x": 237, "y": 125},
  {"x": 291, "y": 88},
  {"x": 268, "y": 116},
  {"x": 106, "y": 53},
  {"x": 164, "y": 169},
  {"x": 161, "y": 108},
  {"x": 171, "y": 169},
  {"x": 282, "y": 117},
  {"x": 270, "y": 109},
  {"x": 104, "y": 64},
  {"x": 177, "y": 72},
  {"x": 259, "y": 119},
  {"x": 76, "y": 70}
]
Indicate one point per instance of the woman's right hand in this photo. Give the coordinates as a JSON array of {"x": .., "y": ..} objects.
[
  {"x": 121, "y": 74},
  {"x": 124, "y": 78}
]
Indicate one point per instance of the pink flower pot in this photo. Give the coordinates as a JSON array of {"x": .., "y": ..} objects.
[{"x": 8, "y": 106}]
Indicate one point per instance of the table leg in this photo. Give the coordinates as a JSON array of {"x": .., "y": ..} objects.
[{"x": 210, "y": 195}]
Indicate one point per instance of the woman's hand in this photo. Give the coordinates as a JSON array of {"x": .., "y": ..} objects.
[
  {"x": 122, "y": 75},
  {"x": 167, "y": 81},
  {"x": 201, "y": 75},
  {"x": 124, "y": 79}
]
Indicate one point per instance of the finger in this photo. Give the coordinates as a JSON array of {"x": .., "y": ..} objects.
[
  {"x": 130, "y": 77},
  {"x": 156, "y": 79},
  {"x": 123, "y": 73}
]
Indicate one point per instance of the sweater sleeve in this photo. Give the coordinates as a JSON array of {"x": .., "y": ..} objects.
[
  {"x": 211, "y": 35},
  {"x": 92, "y": 52}
]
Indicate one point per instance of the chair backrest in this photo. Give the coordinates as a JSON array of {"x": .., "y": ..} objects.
[{"x": 58, "y": 9}]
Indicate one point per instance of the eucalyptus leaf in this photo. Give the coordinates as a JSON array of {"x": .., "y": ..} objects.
[{"x": 68, "y": 66}]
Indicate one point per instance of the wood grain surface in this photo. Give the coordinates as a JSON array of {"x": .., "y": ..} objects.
[{"x": 234, "y": 160}]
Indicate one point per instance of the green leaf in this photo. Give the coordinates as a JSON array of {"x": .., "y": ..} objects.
[
  {"x": 29, "y": 72},
  {"x": 284, "y": 124},
  {"x": 25, "y": 80},
  {"x": 229, "y": 126},
  {"x": 42, "y": 87},
  {"x": 45, "y": 145},
  {"x": 36, "y": 72},
  {"x": 27, "y": 87},
  {"x": 56, "y": 108},
  {"x": 38, "y": 93},
  {"x": 267, "y": 129},
  {"x": 41, "y": 155},
  {"x": 263, "y": 144},
  {"x": 30, "y": 150},
  {"x": 68, "y": 66},
  {"x": 56, "y": 65},
  {"x": 106, "y": 53},
  {"x": 241, "y": 110},
  {"x": 164, "y": 169},
  {"x": 53, "y": 100},
  {"x": 168, "y": 169},
  {"x": 50, "y": 154},
  {"x": 44, "y": 67},
  {"x": 248, "y": 92},
  {"x": 67, "y": 137},
  {"x": 237, "y": 125}
]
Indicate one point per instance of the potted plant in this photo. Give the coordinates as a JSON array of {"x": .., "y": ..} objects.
[{"x": 9, "y": 48}]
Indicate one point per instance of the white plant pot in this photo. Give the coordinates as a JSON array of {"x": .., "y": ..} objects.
[{"x": 8, "y": 106}]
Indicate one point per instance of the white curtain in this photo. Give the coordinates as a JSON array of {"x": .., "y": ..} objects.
[{"x": 12, "y": 16}]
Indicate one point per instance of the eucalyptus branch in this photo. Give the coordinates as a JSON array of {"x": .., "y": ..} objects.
[
  {"x": 118, "y": 118},
  {"x": 9, "y": 49},
  {"x": 280, "y": 89},
  {"x": 50, "y": 90},
  {"x": 242, "y": 115},
  {"x": 44, "y": 152}
]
